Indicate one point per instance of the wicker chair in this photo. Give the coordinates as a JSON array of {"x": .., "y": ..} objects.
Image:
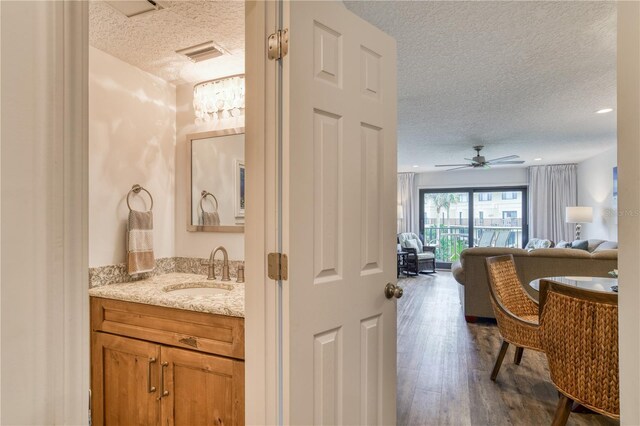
[
  {"x": 516, "y": 312},
  {"x": 420, "y": 259},
  {"x": 579, "y": 330}
]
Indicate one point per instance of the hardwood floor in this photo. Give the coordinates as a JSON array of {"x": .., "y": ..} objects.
[{"x": 444, "y": 366}]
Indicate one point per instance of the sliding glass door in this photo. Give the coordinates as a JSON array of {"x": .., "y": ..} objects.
[
  {"x": 444, "y": 222},
  {"x": 499, "y": 219}
]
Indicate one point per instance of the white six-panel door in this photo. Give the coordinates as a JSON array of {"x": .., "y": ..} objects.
[{"x": 339, "y": 206}]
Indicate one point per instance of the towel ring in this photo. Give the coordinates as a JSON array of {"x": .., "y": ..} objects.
[
  {"x": 204, "y": 195},
  {"x": 136, "y": 189}
]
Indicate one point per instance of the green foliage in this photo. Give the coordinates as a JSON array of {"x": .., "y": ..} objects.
[
  {"x": 443, "y": 200},
  {"x": 449, "y": 246}
]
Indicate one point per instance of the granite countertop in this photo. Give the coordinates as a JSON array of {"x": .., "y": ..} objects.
[{"x": 154, "y": 291}]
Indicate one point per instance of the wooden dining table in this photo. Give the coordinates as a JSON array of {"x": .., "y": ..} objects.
[{"x": 602, "y": 284}]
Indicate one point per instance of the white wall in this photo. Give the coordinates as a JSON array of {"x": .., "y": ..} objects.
[
  {"x": 132, "y": 138},
  {"x": 628, "y": 78},
  {"x": 595, "y": 189},
  {"x": 197, "y": 244},
  {"x": 472, "y": 177}
]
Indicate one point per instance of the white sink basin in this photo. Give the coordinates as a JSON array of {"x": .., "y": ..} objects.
[{"x": 197, "y": 289}]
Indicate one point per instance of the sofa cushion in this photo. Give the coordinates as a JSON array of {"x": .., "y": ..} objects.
[
  {"x": 561, "y": 253},
  {"x": 491, "y": 251},
  {"x": 580, "y": 245},
  {"x": 426, "y": 255},
  {"x": 594, "y": 244},
  {"x": 605, "y": 254}
]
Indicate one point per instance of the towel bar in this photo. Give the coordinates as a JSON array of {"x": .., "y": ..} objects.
[
  {"x": 136, "y": 189},
  {"x": 204, "y": 194}
]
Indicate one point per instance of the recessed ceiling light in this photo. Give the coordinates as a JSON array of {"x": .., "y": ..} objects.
[
  {"x": 415, "y": 165},
  {"x": 537, "y": 159},
  {"x": 604, "y": 110}
]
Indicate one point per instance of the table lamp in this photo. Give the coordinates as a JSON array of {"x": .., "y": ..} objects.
[{"x": 579, "y": 215}]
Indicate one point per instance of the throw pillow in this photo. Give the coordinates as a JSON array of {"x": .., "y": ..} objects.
[
  {"x": 580, "y": 245},
  {"x": 607, "y": 245},
  {"x": 414, "y": 244},
  {"x": 537, "y": 243},
  {"x": 532, "y": 244},
  {"x": 563, "y": 244}
]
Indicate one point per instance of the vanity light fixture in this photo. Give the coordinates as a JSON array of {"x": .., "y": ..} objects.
[{"x": 218, "y": 99}]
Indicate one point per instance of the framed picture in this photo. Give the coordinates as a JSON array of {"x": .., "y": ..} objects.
[{"x": 239, "y": 204}]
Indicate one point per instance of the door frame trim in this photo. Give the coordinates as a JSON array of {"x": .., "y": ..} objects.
[{"x": 262, "y": 398}]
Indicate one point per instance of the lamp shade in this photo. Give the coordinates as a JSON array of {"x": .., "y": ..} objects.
[{"x": 579, "y": 215}]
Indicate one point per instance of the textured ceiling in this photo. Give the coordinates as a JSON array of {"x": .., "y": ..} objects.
[
  {"x": 520, "y": 78},
  {"x": 149, "y": 41}
]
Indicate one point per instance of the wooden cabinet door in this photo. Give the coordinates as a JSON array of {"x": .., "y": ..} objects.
[
  {"x": 202, "y": 389},
  {"x": 124, "y": 381}
]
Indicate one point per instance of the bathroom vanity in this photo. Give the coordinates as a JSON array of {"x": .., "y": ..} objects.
[{"x": 168, "y": 350}]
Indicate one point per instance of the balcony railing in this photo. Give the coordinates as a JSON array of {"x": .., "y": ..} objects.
[{"x": 451, "y": 239}]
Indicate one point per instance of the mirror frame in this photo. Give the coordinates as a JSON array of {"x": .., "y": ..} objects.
[{"x": 190, "y": 138}]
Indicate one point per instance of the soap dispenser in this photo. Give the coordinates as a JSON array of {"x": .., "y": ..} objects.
[{"x": 240, "y": 273}]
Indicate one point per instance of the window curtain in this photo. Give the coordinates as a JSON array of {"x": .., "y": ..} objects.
[
  {"x": 407, "y": 203},
  {"x": 552, "y": 189}
]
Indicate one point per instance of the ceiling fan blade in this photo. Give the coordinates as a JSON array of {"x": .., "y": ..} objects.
[
  {"x": 497, "y": 163},
  {"x": 508, "y": 157},
  {"x": 458, "y": 168},
  {"x": 452, "y": 165}
]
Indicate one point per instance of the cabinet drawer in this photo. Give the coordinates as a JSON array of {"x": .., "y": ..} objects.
[{"x": 210, "y": 333}]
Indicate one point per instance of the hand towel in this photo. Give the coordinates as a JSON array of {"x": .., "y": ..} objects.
[
  {"x": 140, "y": 256},
  {"x": 210, "y": 219}
]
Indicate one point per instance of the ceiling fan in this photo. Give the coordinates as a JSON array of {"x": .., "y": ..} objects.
[{"x": 479, "y": 161}]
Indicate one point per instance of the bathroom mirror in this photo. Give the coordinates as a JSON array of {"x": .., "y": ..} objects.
[{"x": 216, "y": 181}]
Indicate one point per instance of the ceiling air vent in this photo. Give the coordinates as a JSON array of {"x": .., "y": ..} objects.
[
  {"x": 201, "y": 52},
  {"x": 131, "y": 8}
]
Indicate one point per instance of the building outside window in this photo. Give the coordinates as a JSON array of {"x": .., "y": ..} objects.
[{"x": 509, "y": 217}]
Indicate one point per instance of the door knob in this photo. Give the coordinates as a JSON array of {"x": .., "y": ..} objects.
[{"x": 392, "y": 290}]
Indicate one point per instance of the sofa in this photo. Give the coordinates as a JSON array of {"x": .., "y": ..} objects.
[{"x": 470, "y": 271}]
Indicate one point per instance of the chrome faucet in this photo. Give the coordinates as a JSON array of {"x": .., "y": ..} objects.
[{"x": 225, "y": 264}]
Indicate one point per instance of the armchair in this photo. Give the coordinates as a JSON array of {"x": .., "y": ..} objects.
[{"x": 420, "y": 258}]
